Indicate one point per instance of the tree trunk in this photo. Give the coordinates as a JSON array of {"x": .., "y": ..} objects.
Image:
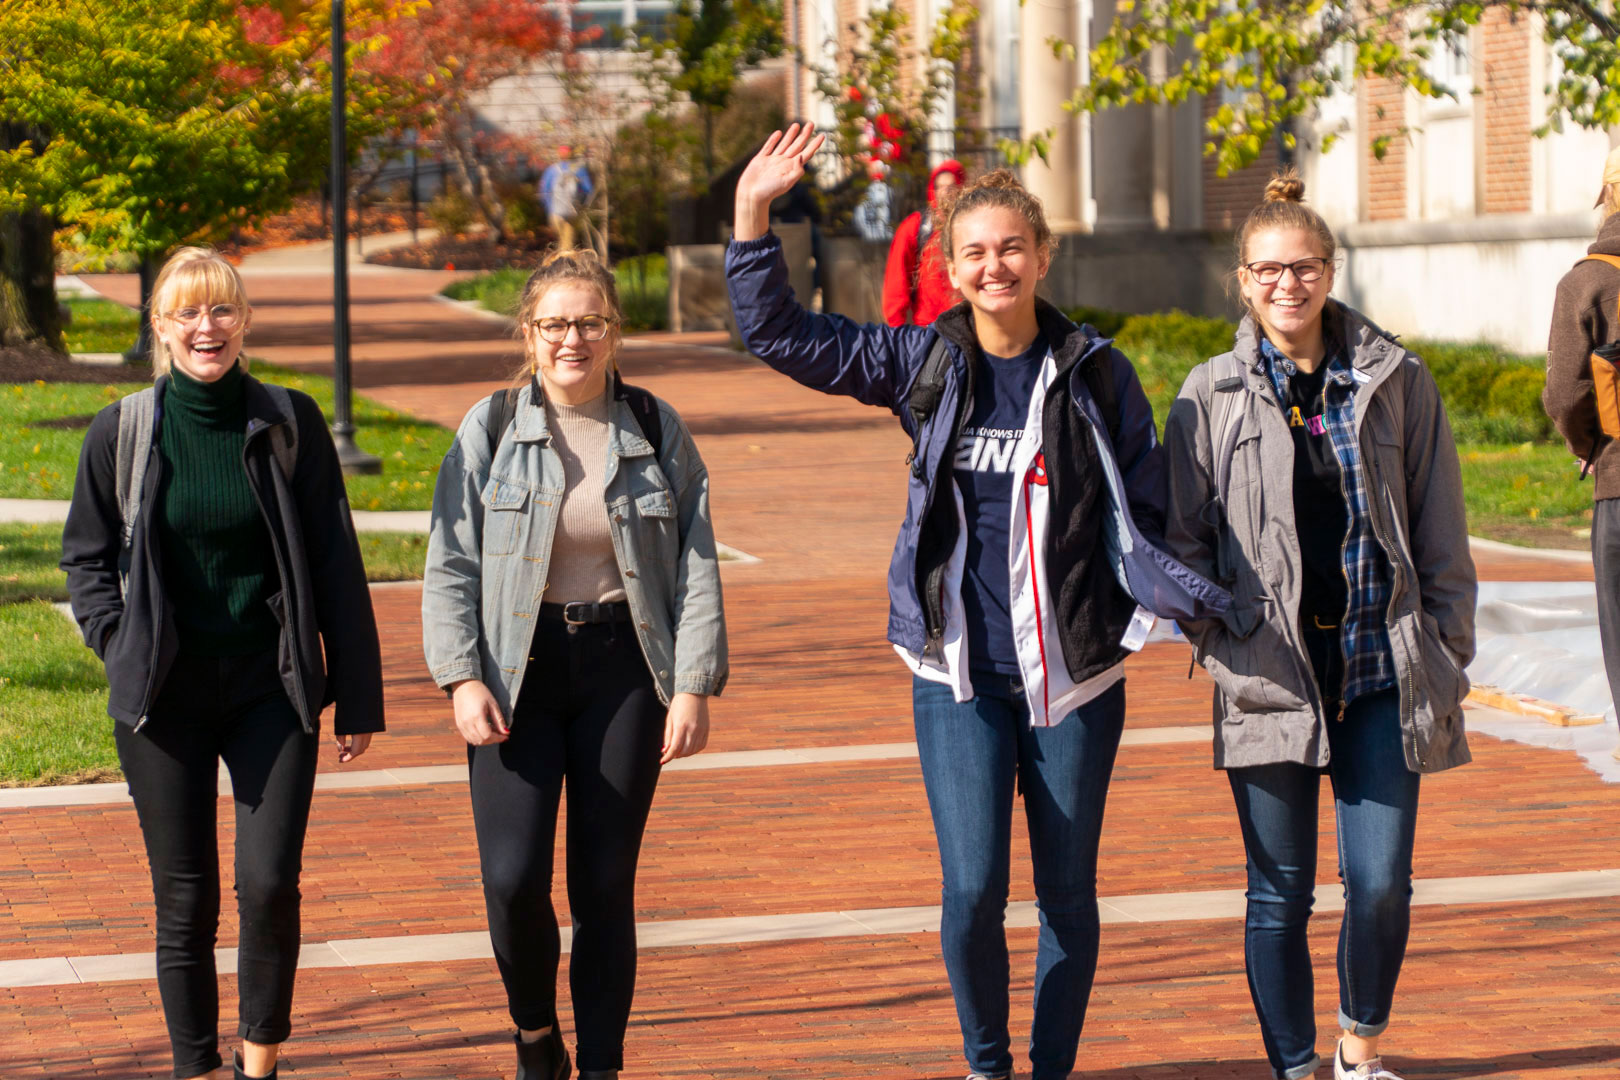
[
  {"x": 708, "y": 145},
  {"x": 140, "y": 353},
  {"x": 28, "y": 265}
]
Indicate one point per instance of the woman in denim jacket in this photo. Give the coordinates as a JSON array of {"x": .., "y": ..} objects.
[
  {"x": 1035, "y": 491},
  {"x": 597, "y": 686},
  {"x": 1312, "y": 470}
]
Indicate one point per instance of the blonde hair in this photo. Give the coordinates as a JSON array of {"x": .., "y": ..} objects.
[
  {"x": 556, "y": 268},
  {"x": 994, "y": 189},
  {"x": 193, "y": 276}
]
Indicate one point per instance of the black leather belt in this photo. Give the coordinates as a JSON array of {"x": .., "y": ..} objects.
[{"x": 580, "y": 614}]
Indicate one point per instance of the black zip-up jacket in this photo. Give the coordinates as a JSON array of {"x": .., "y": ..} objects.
[{"x": 323, "y": 596}]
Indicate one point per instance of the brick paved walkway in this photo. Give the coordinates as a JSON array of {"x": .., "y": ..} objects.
[{"x": 812, "y": 486}]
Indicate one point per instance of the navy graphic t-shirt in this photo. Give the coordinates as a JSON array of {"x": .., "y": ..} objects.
[{"x": 983, "y": 467}]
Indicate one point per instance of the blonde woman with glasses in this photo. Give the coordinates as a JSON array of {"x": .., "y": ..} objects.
[
  {"x": 1313, "y": 473},
  {"x": 213, "y": 567},
  {"x": 571, "y": 609}
]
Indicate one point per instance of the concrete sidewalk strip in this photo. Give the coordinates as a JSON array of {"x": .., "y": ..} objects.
[
  {"x": 418, "y": 775},
  {"x": 1208, "y": 905}
]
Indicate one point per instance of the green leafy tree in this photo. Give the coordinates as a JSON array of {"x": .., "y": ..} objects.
[
  {"x": 172, "y": 121},
  {"x": 703, "y": 50},
  {"x": 1277, "y": 59}
]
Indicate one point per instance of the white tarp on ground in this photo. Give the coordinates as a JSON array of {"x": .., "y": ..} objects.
[
  {"x": 1541, "y": 638},
  {"x": 1538, "y": 638}
]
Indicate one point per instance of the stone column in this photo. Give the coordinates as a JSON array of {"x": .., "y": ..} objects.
[
  {"x": 1123, "y": 156},
  {"x": 1045, "y": 83}
]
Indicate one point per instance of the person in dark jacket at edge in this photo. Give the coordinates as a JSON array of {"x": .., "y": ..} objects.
[
  {"x": 237, "y": 574},
  {"x": 916, "y": 286},
  {"x": 1586, "y": 316},
  {"x": 1025, "y": 515}
]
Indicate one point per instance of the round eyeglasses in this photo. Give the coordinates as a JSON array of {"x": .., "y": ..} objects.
[
  {"x": 1305, "y": 271},
  {"x": 591, "y": 328},
  {"x": 224, "y": 316}
]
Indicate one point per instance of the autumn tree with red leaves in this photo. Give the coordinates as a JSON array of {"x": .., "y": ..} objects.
[{"x": 455, "y": 50}]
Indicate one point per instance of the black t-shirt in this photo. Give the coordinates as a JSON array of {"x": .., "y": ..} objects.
[
  {"x": 1321, "y": 518},
  {"x": 983, "y": 466}
]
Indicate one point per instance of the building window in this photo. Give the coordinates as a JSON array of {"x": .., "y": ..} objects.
[
  {"x": 618, "y": 19},
  {"x": 1451, "y": 68}
]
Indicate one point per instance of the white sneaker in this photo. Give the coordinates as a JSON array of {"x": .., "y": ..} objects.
[{"x": 1367, "y": 1070}]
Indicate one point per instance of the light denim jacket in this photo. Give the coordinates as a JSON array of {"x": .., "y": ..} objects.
[{"x": 490, "y": 551}]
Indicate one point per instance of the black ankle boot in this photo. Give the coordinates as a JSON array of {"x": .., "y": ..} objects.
[
  {"x": 236, "y": 1064},
  {"x": 599, "y": 1074},
  {"x": 544, "y": 1059}
]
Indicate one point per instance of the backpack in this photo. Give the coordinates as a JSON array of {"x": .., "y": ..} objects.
[
  {"x": 1605, "y": 374},
  {"x": 136, "y": 426},
  {"x": 503, "y": 413},
  {"x": 929, "y": 387}
]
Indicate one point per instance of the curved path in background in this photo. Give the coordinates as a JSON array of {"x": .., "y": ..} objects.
[{"x": 789, "y": 872}]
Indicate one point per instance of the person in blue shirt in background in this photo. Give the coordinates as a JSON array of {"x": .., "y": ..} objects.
[{"x": 565, "y": 188}]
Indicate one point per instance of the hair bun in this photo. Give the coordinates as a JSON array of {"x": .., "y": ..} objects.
[{"x": 1285, "y": 187}]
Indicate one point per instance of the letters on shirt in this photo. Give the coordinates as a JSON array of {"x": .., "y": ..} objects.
[{"x": 986, "y": 449}]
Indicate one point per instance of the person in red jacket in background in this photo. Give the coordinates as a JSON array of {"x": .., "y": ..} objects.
[{"x": 915, "y": 286}]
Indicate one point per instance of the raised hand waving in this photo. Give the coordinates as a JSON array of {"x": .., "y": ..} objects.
[{"x": 775, "y": 169}]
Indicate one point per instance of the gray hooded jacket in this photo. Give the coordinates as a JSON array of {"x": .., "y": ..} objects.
[{"x": 1268, "y": 708}]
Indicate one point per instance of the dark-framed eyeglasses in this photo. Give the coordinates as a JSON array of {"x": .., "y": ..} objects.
[
  {"x": 591, "y": 327},
  {"x": 1305, "y": 271},
  {"x": 225, "y": 316}
]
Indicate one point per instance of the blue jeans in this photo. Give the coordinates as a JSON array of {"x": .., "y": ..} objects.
[
  {"x": 972, "y": 756},
  {"x": 1376, "y": 800}
]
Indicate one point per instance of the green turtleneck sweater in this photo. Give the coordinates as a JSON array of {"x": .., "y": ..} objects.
[{"x": 218, "y": 563}]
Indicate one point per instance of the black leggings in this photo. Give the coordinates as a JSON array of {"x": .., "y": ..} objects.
[
  {"x": 588, "y": 716},
  {"x": 232, "y": 708}
]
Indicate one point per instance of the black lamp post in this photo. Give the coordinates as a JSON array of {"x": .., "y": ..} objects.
[{"x": 352, "y": 458}]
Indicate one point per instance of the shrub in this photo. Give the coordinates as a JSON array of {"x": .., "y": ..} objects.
[
  {"x": 451, "y": 213},
  {"x": 1177, "y": 332},
  {"x": 1105, "y": 322},
  {"x": 525, "y": 217}
]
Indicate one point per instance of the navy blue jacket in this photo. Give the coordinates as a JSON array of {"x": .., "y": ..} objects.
[{"x": 1104, "y": 548}]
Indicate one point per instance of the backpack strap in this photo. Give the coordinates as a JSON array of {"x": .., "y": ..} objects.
[
  {"x": 926, "y": 390},
  {"x": 1225, "y": 382},
  {"x": 502, "y": 410},
  {"x": 136, "y": 419},
  {"x": 645, "y": 408},
  {"x": 284, "y": 437}
]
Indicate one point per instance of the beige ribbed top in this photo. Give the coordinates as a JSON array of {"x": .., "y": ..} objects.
[{"x": 583, "y": 566}]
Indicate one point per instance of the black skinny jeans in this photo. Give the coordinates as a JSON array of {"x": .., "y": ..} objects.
[
  {"x": 589, "y": 718},
  {"x": 234, "y": 708}
]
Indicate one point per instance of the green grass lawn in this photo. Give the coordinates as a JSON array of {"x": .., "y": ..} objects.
[
  {"x": 643, "y": 290},
  {"x": 100, "y": 326},
  {"x": 54, "y": 727},
  {"x": 42, "y": 427}
]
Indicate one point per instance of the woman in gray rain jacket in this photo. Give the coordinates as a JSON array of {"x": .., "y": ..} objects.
[{"x": 1312, "y": 470}]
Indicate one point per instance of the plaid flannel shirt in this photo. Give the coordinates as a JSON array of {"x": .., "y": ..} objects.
[{"x": 1368, "y": 662}]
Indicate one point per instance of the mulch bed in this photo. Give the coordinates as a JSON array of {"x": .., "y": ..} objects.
[
  {"x": 302, "y": 225},
  {"x": 27, "y": 363},
  {"x": 476, "y": 252}
]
